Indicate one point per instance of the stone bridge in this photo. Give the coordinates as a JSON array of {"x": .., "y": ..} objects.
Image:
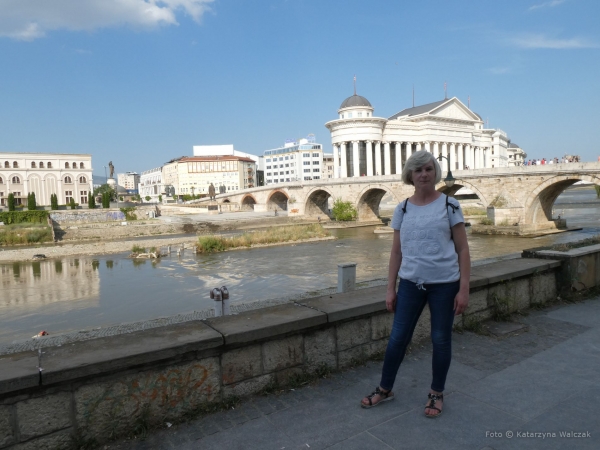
[{"x": 521, "y": 196}]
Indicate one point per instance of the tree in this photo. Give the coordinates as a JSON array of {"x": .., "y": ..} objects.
[
  {"x": 160, "y": 199},
  {"x": 11, "y": 202},
  {"x": 91, "y": 202},
  {"x": 31, "y": 203},
  {"x": 105, "y": 188},
  {"x": 53, "y": 202},
  {"x": 343, "y": 211},
  {"x": 72, "y": 204},
  {"x": 106, "y": 199},
  {"x": 148, "y": 198}
]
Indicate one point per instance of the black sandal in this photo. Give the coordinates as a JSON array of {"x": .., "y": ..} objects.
[
  {"x": 431, "y": 405},
  {"x": 384, "y": 397}
]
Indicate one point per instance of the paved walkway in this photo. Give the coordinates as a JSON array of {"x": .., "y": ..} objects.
[{"x": 499, "y": 393}]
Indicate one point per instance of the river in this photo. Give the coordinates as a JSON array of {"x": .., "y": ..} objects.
[{"x": 90, "y": 292}]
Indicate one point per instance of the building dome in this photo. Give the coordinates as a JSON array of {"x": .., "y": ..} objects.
[{"x": 355, "y": 100}]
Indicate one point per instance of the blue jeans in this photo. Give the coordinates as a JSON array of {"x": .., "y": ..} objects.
[{"x": 410, "y": 302}]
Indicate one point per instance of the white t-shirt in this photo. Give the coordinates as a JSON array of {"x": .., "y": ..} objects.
[{"x": 428, "y": 253}]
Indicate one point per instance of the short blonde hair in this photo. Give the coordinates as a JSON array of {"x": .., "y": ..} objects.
[{"x": 419, "y": 159}]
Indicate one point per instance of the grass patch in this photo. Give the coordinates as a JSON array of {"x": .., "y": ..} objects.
[
  {"x": 486, "y": 221},
  {"x": 571, "y": 245},
  {"x": 137, "y": 249},
  {"x": 292, "y": 233},
  {"x": 470, "y": 211},
  {"x": 24, "y": 234}
]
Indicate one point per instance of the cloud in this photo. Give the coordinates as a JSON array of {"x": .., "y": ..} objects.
[
  {"x": 550, "y": 4},
  {"x": 27, "y": 20},
  {"x": 533, "y": 41}
]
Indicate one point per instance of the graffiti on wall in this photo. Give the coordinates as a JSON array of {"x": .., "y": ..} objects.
[{"x": 87, "y": 217}]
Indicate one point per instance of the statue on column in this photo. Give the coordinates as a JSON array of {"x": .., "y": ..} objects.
[
  {"x": 111, "y": 168},
  {"x": 211, "y": 191}
]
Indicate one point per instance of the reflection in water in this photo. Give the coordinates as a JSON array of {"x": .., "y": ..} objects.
[{"x": 80, "y": 293}]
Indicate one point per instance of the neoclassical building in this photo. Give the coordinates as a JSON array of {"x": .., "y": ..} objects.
[
  {"x": 365, "y": 145},
  {"x": 66, "y": 175}
]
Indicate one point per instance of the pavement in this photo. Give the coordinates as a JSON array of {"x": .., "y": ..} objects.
[{"x": 527, "y": 389}]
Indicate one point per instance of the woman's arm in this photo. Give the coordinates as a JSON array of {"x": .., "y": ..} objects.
[
  {"x": 459, "y": 235},
  {"x": 395, "y": 261}
]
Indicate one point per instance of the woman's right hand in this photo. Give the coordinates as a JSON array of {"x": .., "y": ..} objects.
[{"x": 390, "y": 301}]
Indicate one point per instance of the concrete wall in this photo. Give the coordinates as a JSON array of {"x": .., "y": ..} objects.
[{"x": 101, "y": 388}]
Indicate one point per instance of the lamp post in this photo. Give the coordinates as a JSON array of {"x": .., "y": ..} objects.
[{"x": 449, "y": 180}]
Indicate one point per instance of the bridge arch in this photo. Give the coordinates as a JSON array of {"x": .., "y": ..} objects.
[
  {"x": 458, "y": 184},
  {"x": 316, "y": 202},
  {"x": 248, "y": 202},
  {"x": 277, "y": 200},
  {"x": 367, "y": 204},
  {"x": 538, "y": 206}
]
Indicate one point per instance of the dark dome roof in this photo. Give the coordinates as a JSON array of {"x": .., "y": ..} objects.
[{"x": 355, "y": 100}]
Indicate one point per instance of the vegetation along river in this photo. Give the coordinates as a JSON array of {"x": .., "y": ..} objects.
[{"x": 89, "y": 292}]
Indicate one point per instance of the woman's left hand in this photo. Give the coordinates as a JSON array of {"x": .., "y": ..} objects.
[{"x": 461, "y": 301}]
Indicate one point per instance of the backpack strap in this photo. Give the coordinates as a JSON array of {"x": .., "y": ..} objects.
[
  {"x": 454, "y": 208},
  {"x": 404, "y": 206}
]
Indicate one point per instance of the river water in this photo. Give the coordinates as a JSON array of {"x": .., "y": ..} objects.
[{"x": 90, "y": 292}]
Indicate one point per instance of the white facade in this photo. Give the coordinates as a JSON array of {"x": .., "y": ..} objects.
[
  {"x": 516, "y": 155},
  {"x": 364, "y": 145},
  {"x": 192, "y": 175},
  {"x": 295, "y": 161},
  {"x": 327, "y": 165},
  {"x": 129, "y": 180},
  {"x": 151, "y": 184},
  {"x": 66, "y": 175}
]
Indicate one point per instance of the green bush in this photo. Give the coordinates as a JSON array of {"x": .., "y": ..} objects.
[
  {"x": 129, "y": 213},
  {"x": 11, "y": 202},
  {"x": 137, "y": 249},
  {"x": 72, "y": 203},
  {"x": 13, "y": 217},
  {"x": 31, "y": 203},
  {"x": 343, "y": 211},
  {"x": 210, "y": 244},
  {"x": 597, "y": 190},
  {"x": 160, "y": 198},
  {"x": 106, "y": 199},
  {"x": 91, "y": 202},
  {"x": 24, "y": 234},
  {"x": 486, "y": 221},
  {"x": 148, "y": 198},
  {"x": 53, "y": 202}
]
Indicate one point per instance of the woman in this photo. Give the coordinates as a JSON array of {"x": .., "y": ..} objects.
[{"x": 431, "y": 255}]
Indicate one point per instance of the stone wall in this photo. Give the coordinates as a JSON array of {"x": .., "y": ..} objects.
[
  {"x": 102, "y": 388},
  {"x": 66, "y": 218}
]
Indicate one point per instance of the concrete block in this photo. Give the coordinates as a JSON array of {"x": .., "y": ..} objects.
[
  {"x": 7, "y": 435},
  {"x": 59, "y": 440},
  {"x": 378, "y": 347},
  {"x": 283, "y": 377},
  {"x": 351, "y": 334},
  {"x": 266, "y": 323},
  {"x": 477, "y": 301},
  {"x": 381, "y": 326},
  {"x": 110, "y": 408},
  {"x": 350, "y": 304},
  {"x": 350, "y": 357},
  {"x": 248, "y": 387},
  {"x": 319, "y": 349},
  {"x": 543, "y": 288},
  {"x": 346, "y": 277},
  {"x": 240, "y": 364},
  {"x": 43, "y": 415},
  {"x": 282, "y": 353},
  {"x": 519, "y": 291}
]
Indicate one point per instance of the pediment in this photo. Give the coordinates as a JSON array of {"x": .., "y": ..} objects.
[{"x": 454, "y": 109}]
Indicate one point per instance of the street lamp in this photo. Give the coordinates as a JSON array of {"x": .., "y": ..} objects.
[{"x": 449, "y": 180}]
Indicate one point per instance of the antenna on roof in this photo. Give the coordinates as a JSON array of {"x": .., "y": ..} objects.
[
  {"x": 469, "y": 102},
  {"x": 413, "y": 95},
  {"x": 445, "y": 91},
  {"x": 354, "y": 84}
]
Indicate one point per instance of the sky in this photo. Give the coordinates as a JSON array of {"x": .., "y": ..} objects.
[{"x": 140, "y": 82}]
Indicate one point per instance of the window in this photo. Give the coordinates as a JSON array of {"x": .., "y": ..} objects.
[
  {"x": 33, "y": 164},
  {"x": 41, "y": 165},
  {"x": 306, "y": 170},
  {"x": 281, "y": 158},
  {"x": 81, "y": 166},
  {"x": 66, "y": 165},
  {"x": 68, "y": 180},
  {"x": 275, "y": 173},
  {"x": 287, "y": 165},
  {"x": 306, "y": 163},
  {"x": 268, "y": 167},
  {"x": 281, "y": 180},
  {"x": 1, "y": 181},
  {"x": 342, "y": 116},
  {"x": 316, "y": 170},
  {"x": 287, "y": 172},
  {"x": 316, "y": 178},
  {"x": 359, "y": 114},
  {"x": 16, "y": 180},
  {"x": 49, "y": 165},
  {"x": 316, "y": 155},
  {"x": 349, "y": 115},
  {"x": 6, "y": 165},
  {"x": 307, "y": 178},
  {"x": 268, "y": 159},
  {"x": 306, "y": 155},
  {"x": 83, "y": 197},
  {"x": 316, "y": 163},
  {"x": 74, "y": 166},
  {"x": 68, "y": 196},
  {"x": 15, "y": 165},
  {"x": 82, "y": 180},
  {"x": 287, "y": 157}
]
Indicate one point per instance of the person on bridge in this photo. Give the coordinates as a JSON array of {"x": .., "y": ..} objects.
[{"x": 430, "y": 253}]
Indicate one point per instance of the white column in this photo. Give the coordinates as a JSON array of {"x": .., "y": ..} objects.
[
  {"x": 452, "y": 156},
  {"x": 336, "y": 162},
  {"x": 461, "y": 161},
  {"x": 428, "y": 147},
  {"x": 386, "y": 157},
  {"x": 408, "y": 150},
  {"x": 369, "y": 158},
  {"x": 476, "y": 163},
  {"x": 481, "y": 162},
  {"x": 398, "y": 157},
  {"x": 378, "y": 158},
  {"x": 444, "y": 153},
  {"x": 355, "y": 159},
  {"x": 343, "y": 162},
  {"x": 468, "y": 157},
  {"x": 435, "y": 151}
]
